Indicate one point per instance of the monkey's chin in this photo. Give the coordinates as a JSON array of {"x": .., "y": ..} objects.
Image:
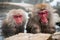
[{"x": 19, "y": 24}]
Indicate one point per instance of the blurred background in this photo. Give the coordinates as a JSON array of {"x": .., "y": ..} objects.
[{"x": 53, "y": 3}]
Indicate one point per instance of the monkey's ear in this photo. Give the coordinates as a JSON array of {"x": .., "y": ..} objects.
[{"x": 5, "y": 22}]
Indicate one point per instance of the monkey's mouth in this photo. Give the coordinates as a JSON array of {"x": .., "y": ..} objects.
[{"x": 44, "y": 20}]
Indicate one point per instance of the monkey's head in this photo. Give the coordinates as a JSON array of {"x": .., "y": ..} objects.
[
  {"x": 42, "y": 12},
  {"x": 17, "y": 16}
]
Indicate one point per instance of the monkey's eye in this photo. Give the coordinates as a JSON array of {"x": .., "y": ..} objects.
[
  {"x": 20, "y": 15},
  {"x": 38, "y": 13},
  {"x": 16, "y": 16}
]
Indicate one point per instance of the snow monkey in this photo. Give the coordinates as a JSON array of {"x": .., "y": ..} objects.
[
  {"x": 43, "y": 21},
  {"x": 14, "y": 22}
]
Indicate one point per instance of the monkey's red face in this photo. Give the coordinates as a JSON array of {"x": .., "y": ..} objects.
[
  {"x": 18, "y": 18},
  {"x": 43, "y": 16}
]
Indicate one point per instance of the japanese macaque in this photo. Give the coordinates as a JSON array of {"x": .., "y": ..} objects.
[
  {"x": 14, "y": 22},
  {"x": 42, "y": 20}
]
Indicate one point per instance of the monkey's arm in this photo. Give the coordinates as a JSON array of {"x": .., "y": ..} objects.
[
  {"x": 51, "y": 25},
  {"x": 7, "y": 31},
  {"x": 51, "y": 30},
  {"x": 33, "y": 26}
]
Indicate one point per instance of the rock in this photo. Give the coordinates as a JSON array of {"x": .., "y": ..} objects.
[
  {"x": 28, "y": 36},
  {"x": 56, "y": 36},
  {"x": 41, "y": 36}
]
